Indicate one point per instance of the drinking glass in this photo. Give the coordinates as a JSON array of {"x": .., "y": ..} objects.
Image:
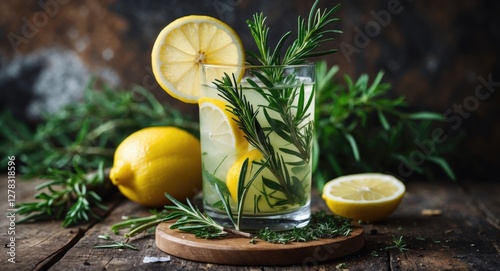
[{"x": 256, "y": 132}]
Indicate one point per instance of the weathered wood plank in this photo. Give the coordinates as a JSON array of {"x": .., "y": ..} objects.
[
  {"x": 37, "y": 245},
  {"x": 34, "y": 246},
  {"x": 83, "y": 256},
  {"x": 457, "y": 239},
  {"x": 486, "y": 196}
]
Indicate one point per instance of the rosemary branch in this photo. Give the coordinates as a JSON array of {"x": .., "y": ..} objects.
[
  {"x": 188, "y": 218},
  {"x": 254, "y": 133},
  {"x": 310, "y": 36},
  {"x": 191, "y": 219}
]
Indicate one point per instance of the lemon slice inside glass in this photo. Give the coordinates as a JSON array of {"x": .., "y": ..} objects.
[
  {"x": 221, "y": 137},
  {"x": 184, "y": 44},
  {"x": 367, "y": 196}
]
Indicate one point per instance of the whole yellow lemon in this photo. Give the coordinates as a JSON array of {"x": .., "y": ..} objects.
[{"x": 156, "y": 160}]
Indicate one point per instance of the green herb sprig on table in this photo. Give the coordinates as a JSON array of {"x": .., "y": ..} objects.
[
  {"x": 114, "y": 244},
  {"x": 66, "y": 196},
  {"x": 79, "y": 139},
  {"x": 398, "y": 243}
]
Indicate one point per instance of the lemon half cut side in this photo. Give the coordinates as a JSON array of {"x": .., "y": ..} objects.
[
  {"x": 367, "y": 197},
  {"x": 183, "y": 45}
]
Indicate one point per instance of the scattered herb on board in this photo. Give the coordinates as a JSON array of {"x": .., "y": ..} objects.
[{"x": 322, "y": 225}]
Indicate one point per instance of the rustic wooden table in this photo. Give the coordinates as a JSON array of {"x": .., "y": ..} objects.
[{"x": 446, "y": 226}]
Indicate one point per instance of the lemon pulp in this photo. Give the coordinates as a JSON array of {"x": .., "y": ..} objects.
[
  {"x": 183, "y": 45},
  {"x": 367, "y": 197}
]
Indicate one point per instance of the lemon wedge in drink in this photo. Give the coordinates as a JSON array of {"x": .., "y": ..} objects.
[
  {"x": 184, "y": 44},
  {"x": 255, "y": 201},
  {"x": 367, "y": 197},
  {"x": 233, "y": 174}
]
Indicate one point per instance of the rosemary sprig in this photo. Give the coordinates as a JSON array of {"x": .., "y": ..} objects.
[
  {"x": 191, "y": 219},
  {"x": 188, "y": 219},
  {"x": 67, "y": 195},
  {"x": 398, "y": 243},
  {"x": 293, "y": 123},
  {"x": 286, "y": 127},
  {"x": 137, "y": 225},
  {"x": 310, "y": 36},
  {"x": 115, "y": 244}
]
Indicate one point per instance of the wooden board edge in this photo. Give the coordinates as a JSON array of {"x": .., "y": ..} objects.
[{"x": 239, "y": 251}]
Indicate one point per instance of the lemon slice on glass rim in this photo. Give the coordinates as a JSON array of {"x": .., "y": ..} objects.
[
  {"x": 367, "y": 196},
  {"x": 183, "y": 45}
]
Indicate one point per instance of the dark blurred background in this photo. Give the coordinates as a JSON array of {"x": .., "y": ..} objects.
[{"x": 443, "y": 56}]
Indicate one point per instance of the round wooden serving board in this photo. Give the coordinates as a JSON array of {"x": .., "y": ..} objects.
[{"x": 235, "y": 250}]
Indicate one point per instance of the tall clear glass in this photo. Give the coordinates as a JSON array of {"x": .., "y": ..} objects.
[{"x": 256, "y": 131}]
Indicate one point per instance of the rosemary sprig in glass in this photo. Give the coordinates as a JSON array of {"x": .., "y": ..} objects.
[
  {"x": 310, "y": 35},
  {"x": 286, "y": 127},
  {"x": 289, "y": 103}
]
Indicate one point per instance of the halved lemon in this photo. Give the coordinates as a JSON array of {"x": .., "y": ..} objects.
[
  {"x": 367, "y": 197},
  {"x": 221, "y": 138},
  {"x": 184, "y": 44}
]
